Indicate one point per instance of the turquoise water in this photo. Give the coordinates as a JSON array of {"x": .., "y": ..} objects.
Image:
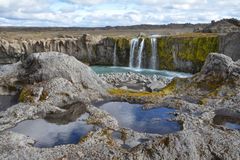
[
  {"x": 157, "y": 120},
  {"x": 164, "y": 73}
]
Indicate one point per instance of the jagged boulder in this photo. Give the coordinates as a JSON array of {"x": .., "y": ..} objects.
[
  {"x": 219, "y": 67},
  {"x": 46, "y": 66}
]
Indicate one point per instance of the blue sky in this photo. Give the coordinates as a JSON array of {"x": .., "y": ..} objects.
[{"x": 92, "y": 13}]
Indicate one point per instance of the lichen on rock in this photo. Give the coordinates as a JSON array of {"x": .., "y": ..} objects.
[{"x": 185, "y": 53}]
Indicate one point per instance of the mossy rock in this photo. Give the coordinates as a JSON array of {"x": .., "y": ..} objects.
[
  {"x": 122, "y": 44},
  {"x": 43, "y": 96},
  {"x": 26, "y": 95},
  {"x": 164, "y": 47},
  {"x": 123, "y": 49},
  {"x": 193, "y": 49}
]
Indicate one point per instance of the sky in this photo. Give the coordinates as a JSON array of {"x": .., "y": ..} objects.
[{"x": 100, "y": 13}]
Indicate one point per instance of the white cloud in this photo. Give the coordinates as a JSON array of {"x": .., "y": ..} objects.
[
  {"x": 87, "y": 2},
  {"x": 112, "y": 12}
]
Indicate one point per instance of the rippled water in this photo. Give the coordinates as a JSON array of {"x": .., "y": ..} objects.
[
  {"x": 48, "y": 134},
  {"x": 147, "y": 121},
  {"x": 165, "y": 73}
]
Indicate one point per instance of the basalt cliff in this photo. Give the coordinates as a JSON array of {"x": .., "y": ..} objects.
[{"x": 181, "y": 53}]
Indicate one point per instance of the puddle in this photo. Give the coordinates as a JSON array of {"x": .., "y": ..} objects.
[
  {"x": 227, "y": 118},
  {"x": 7, "y": 101},
  {"x": 133, "y": 116},
  {"x": 58, "y": 128}
]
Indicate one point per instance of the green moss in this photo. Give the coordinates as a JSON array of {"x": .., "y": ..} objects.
[
  {"x": 85, "y": 138},
  {"x": 26, "y": 95},
  {"x": 148, "y": 47},
  {"x": 194, "y": 49},
  {"x": 146, "y": 96},
  {"x": 123, "y": 49},
  {"x": 122, "y": 44},
  {"x": 164, "y": 47},
  {"x": 12, "y": 88},
  {"x": 43, "y": 96}
]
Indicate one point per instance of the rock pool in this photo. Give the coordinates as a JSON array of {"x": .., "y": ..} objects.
[
  {"x": 157, "y": 120},
  {"x": 227, "y": 118},
  {"x": 7, "y": 101},
  {"x": 56, "y": 129}
]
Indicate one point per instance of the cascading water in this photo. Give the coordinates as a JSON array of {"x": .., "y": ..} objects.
[
  {"x": 133, "y": 44},
  {"x": 140, "y": 53},
  {"x": 115, "y": 55},
  {"x": 153, "y": 60}
]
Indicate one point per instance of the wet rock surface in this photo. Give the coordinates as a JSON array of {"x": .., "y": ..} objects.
[{"x": 215, "y": 87}]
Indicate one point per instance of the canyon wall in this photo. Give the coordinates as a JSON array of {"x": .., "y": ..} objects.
[
  {"x": 185, "y": 53},
  {"x": 230, "y": 45},
  {"x": 88, "y": 49},
  {"x": 179, "y": 53}
]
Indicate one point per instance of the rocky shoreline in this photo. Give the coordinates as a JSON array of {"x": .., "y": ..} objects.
[
  {"x": 49, "y": 82},
  {"x": 135, "y": 81}
]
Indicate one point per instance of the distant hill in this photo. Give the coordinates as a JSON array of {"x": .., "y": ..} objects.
[
  {"x": 222, "y": 26},
  {"x": 141, "y": 26}
]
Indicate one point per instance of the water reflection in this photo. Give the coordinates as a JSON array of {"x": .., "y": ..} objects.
[
  {"x": 49, "y": 134},
  {"x": 7, "y": 101},
  {"x": 227, "y": 118},
  {"x": 149, "y": 121},
  {"x": 73, "y": 112},
  {"x": 232, "y": 125}
]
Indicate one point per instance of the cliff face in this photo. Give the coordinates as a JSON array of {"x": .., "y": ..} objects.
[
  {"x": 185, "y": 53},
  {"x": 181, "y": 53},
  {"x": 178, "y": 53},
  {"x": 89, "y": 49},
  {"x": 230, "y": 45}
]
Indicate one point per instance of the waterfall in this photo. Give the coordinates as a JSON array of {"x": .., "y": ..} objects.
[
  {"x": 133, "y": 44},
  {"x": 140, "y": 52},
  {"x": 115, "y": 55},
  {"x": 153, "y": 60}
]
